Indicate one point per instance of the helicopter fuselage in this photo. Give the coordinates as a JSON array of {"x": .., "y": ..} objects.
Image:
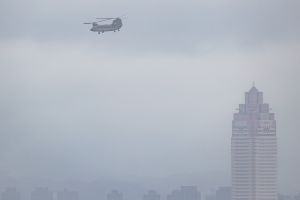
[{"x": 101, "y": 28}]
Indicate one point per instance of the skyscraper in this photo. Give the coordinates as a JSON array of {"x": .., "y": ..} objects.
[{"x": 254, "y": 150}]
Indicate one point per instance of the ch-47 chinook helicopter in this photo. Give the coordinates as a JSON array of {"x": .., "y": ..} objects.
[{"x": 114, "y": 26}]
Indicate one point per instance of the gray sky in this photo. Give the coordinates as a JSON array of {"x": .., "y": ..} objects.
[{"x": 152, "y": 100}]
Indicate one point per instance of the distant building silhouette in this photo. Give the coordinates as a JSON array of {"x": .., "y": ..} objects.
[
  {"x": 284, "y": 197},
  {"x": 67, "y": 195},
  {"x": 254, "y": 150},
  {"x": 223, "y": 193},
  {"x": 42, "y": 193},
  {"x": 175, "y": 195},
  {"x": 210, "y": 197},
  {"x": 185, "y": 193},
  {"x": 151, "y": 195},
  {"x": 10, "y": 194},
  {"x": 115, "y": 195}
]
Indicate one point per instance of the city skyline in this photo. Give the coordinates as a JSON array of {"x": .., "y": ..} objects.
[
  {"x": 190, "y": 192},
  {"x": 253, "y": 161},
  {"x": 150, "y": 105}
]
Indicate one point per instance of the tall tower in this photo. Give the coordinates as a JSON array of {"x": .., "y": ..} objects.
[{"x": 254, "y": 150}]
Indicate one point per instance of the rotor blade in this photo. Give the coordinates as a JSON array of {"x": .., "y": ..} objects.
[
  {"x": 103, "y": 20},
  {"x": 106, "y": 18},
  {"x": 87, "y": 23}
]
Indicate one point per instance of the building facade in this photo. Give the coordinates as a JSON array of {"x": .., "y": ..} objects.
[{"x": 254, "y": 150}]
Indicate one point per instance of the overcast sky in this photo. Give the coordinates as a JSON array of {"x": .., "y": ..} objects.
[{"x": 152, "y": 100}]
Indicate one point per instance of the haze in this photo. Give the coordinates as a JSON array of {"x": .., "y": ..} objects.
[{"x": 151, "y": 101}]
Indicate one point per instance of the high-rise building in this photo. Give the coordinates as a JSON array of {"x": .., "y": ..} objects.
[
  {"x": 185, "y": 193},
  {"x": 151, "y": 195},
  {"x": 10, "y": 194},
  {"x": 254, "y": 150}
]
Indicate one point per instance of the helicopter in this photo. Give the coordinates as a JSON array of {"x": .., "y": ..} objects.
[{"x": 114, "y": 26}]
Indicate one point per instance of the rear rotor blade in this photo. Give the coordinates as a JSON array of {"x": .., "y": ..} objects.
[{"x": 104, "y": 20}]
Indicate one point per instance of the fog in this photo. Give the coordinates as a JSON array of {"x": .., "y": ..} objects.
[{"x": 152, "y": 104}]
